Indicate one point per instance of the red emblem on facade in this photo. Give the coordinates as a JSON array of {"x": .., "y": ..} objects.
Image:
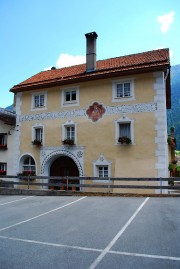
[{"x": 95, "y": 111}]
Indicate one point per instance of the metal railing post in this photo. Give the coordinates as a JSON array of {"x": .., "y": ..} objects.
[
  {"x": 160, "y": 185},
  {"x": 28, "y": 181},
  {"x": 67, "y": 184},
  {"x": 109, "y": 184}
]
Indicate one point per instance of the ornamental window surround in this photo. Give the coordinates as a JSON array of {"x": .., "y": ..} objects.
[
  {"x": 38, "y": 132},
  {"x": 123, "y": 90},
  {"x": 124, "y": 128},
  {"x": 102, "y": 168},
  {"x": 69, "y": 131}
]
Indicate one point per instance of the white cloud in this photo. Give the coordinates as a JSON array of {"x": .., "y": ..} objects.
[
  {"x": 47, "y": 68},
  {"x": 65, "y": 60},
  {"x": 171, "y": 54},
  {"x": 165, "y": 21}
]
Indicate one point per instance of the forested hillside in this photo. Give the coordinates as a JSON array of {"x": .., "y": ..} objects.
[{"x": 174, "y": 113}]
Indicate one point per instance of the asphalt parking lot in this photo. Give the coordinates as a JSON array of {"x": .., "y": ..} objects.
[{"x": 89, "y": 232}]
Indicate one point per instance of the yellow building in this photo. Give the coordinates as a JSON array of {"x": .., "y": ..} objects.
[{"x": 113, "y": 111}]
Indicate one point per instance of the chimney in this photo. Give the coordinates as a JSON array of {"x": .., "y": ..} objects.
[{"x": 91, "y": 51}]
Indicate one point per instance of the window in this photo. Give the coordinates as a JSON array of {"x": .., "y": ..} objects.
[
  {"x": 124, "y": 131},
  {"x": 101, "y": 167},
  {"x": 39, "y": 134},
  {"x": 69, "y": 132},
  {"x": 123, "y": 90},
  {"x": 29, "y": 166},
  {"x": 3, "y": 141},
  {"x": 103, "y": 171},
  {"x": 3, "y": 168},
  {"x": 39, "y": 101},
  {"x": 70, "y": 97}
]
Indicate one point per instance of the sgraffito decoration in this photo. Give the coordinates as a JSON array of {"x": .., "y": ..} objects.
[{"x": 95, "y": 111}]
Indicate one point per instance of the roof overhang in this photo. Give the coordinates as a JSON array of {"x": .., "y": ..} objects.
[
  {"x": 7, "y": 117},
  {"x": 96, "y": 75}
]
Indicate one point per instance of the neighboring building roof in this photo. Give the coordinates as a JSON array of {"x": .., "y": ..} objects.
[
  {"x": 8, "y": 117},
  {"x": 156, "y": 60}
]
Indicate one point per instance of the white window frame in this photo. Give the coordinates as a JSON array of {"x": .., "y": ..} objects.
[
  {"x": 3, "y": 166},
  {"x": 69, "y": 123},
  {"x": 103, "y": 170},
  {"x": 115, "y": 98},
  {"x": 34, "y": 128},
  {"x": 70, "y": 103},
  {"x": 101, "y": 162},
  {"x": 29, "y": 166},
  {"x": 120, "y": 121},
  {"x": 38, "y": 94}
]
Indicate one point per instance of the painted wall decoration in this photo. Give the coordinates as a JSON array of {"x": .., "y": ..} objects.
[
  {"x": 95, "y": 111},
  {"x": 109, "y": 110}
]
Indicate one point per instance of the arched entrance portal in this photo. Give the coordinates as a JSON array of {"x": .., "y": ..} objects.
[{"x": 64, "y": 166}]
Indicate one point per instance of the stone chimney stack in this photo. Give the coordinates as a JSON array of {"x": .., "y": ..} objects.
[{"x": 91, "y": 51}]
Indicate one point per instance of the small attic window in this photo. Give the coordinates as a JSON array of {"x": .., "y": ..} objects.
[{"x": 39, "y": 101}]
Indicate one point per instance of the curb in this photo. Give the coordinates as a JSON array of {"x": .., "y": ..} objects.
[{"x": 10, "y": 191}]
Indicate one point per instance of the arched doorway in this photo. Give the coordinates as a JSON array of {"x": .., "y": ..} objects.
[{"x": 64, "y": 166}]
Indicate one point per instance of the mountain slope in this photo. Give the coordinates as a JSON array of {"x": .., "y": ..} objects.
[{"x": 173, "y": 114}]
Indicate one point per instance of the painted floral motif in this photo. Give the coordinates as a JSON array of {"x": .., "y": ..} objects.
[{"x": 95, "y": 111}]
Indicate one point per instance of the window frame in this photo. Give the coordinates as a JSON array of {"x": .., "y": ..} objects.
[
  {"x": 103, "y": 170},
  {"x": 115, "y": 83},
  {"x": 122, "y": 121},
  {"x": 38, "y": 133},
  {"x": 31, "y": 167},
  {"x": 3, "y": 168},
  {"x": 38, "y": 94},
  {"x": 66, "y": 125},
  {"x": 34, "y": 128},
  {"x": 65, "y": 103},
  {"x": 3, "y": 140}
]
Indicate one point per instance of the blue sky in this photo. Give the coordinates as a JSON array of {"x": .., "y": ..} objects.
[{"x": 38, "y": 34}]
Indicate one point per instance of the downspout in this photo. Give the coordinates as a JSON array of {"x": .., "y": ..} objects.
[{"x": 167, "y": 73}]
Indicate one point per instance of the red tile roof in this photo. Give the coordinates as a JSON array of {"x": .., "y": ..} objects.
[{"x": 135, "y": 63}]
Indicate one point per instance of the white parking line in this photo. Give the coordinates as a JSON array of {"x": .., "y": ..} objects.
[
  {"x": 92, "y": 249},
  {"x": 114, "y": 240},
  {"x": 50, "y": 244},
  {"x": 43, "y": 214},
  {"x": 14, "y": 201},
  {"x": 145, "y": 255}
]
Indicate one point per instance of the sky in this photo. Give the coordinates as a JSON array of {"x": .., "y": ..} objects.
[{"x": 38, "y": 34}]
